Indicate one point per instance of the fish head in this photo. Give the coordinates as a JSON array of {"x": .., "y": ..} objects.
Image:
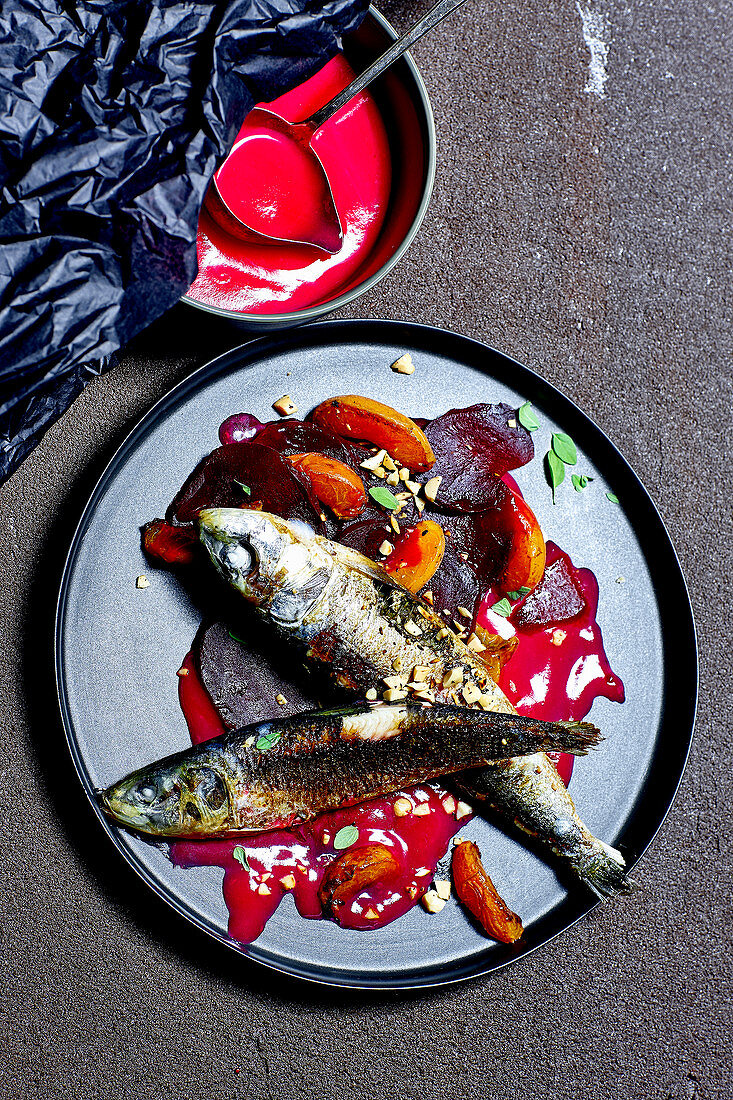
[
  {"x": 276, "y": 564},
  {"x": 183, "y": 800}
]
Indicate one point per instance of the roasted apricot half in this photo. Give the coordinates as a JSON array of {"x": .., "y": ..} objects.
[
  {"x": 480, "y": 896},
  {"x": 417, "y": 555},
  {"x": 525, "y": 564},
  {"x": 334, "y": 483},
  {"x": 362, "y": 418}
]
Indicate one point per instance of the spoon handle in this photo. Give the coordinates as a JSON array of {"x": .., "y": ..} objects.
[{"x": 434, "y": 16}]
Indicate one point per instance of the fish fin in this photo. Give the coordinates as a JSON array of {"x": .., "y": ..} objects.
[
  {"x": 353, "y": 559},
  {"x": 579, "y": 737},
  {"x": 602, "y": 869}
]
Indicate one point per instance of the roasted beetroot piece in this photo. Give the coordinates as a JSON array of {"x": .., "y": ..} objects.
[
  {"x": 556, "y": 598},
  {"x": 248, "y": 684},
  {"x": 169, "y": 545},
  {"x": 240, "y": 428},
  {"x": 290, "y": 437},
  {"x": 454, "y": 585},
  {"x": 245, "y": 475},
  {"x": 473, "y": 448},
  {"x": 483, "y": 540}
]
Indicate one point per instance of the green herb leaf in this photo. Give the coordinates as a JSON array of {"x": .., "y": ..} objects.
[
  {"x": 384, "y": 497},
  {"x": 613, "y": 498},
  {"x": 245, "y": 488},
  {"x": 241, "y": 857},
  {"x": 268, "y": 740},
  {"x": 523, "y": 591},
  {"x": 555, "y": 471},
  {"x": 580, "y": 481},
  {"x": 236, "y": 637},
  {"x": 502, "y": 607},
  {"x": 564, "y": 448},
  {"x": 527, "y": 418},
  {"x": 346, "y": 837}
]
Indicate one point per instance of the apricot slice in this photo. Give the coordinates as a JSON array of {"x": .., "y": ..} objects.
[
  {"x": 353, "y": 872},
  {"x": 525, "y": 564},
  {"x": 334, "y": 483},
  {"x": 363, "y": 418},
  {"x": 480, "y": 896},
  {"x": 417, "y": 555}
]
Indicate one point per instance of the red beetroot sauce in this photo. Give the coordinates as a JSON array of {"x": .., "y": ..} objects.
[{"x": 277, "y": 278}]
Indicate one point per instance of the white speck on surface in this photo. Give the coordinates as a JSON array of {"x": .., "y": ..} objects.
[{"x": 595, "y": 29}]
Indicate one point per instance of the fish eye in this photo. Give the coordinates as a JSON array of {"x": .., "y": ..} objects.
[{"x": 146, "y": 793}]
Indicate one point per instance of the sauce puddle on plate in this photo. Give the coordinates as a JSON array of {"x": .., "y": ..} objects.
[{"x": 555, "y": 674}]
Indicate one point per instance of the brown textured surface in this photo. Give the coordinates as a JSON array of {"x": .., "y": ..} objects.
[{"x": 589, "y": 238}]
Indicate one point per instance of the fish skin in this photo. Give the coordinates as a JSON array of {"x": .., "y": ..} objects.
[
  {"x": 278, "y": 773},
  {"x": 349, "y": 614}
]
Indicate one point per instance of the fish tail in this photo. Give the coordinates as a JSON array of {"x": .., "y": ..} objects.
[
  {"x": 578, "y": 737},
  {"x": 602, "y": 869}
]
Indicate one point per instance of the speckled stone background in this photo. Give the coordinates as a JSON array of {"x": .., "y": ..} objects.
[{"x": 588, "y": 236}]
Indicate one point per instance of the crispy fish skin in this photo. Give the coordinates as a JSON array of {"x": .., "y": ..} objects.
[
  {"x": 351, "y": 615},
  {"x": 274, "y": 774}
]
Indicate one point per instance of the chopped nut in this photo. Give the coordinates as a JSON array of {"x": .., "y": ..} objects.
[
  {"x": 463, "y": 810},
  {"x": 486, "y": 703},
  {"x": 425, "y": 695},
  {"x": 280, "y": 699},
  {"x": 455, "y": 676},
  {"x": 432, "y": 902},
  {"x": 402, "y": 496},
  {"x": 421, "y": 810},
  {"x": 620, "y": 580},
  {"x": 462, "y": 555},
  {"x": 326, "y": 837},
  {"x": 422, "y": 872},
  {"x": 182, "y": 672},
  {"x": 397, "y": 664},
  {"x": 288, "y": 882},
  {"x": 374, "y": 461},
  {"x": 465, "y": 612},
  {"x": 420, "y": 672},
  {"x": 285, "y": 406},
  {"x": 413, "y": 629},
  {"x": 380, "y": 472},
  {"x": 449, "y": 803},
  {"x": 393, "y": 479},
  {"x": 443, "y": 632},
  {"x": 475, "y": 643},
  {"x": 428, "y": 597},
  {"x": 402, "y": 807},
  {"x": 389, "y": 463},
  {"x": 442, "y": 888},
  {"x": 250, "y": 742},
  {"x": 371, "y": 914},
  {"x": 404, "y": 474},
  {"x": 142, "y": 582},
  {"x": 558, "y": 637},
  {"x": 419, "y": 504},
  {"x": 413, "y": 486},
  {"x": 263, "y": 889},
  {"x": 460, "y": 628},
  {"x": 394, "y": 681},
  {"x": 512, "y": 422},
  {"x": 404, "y": 365},
  {"x": 471, "y": 693},
  {"x": 386, "y": 548},
  {"x": 412, "y": 889},
  {"x": 394, "y": 695},
  {"x": 394, "y": 525},
  {"x": 430, "y": 488},
  {"x": 371, "y": 694}
]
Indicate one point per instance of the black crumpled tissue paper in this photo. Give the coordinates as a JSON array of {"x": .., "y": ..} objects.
[{"x": 114, "y": 115}]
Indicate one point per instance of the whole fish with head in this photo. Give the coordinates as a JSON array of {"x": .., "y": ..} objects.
[
  {"x": 376, "y": 636},
  {"x": 279, "y": 773}
]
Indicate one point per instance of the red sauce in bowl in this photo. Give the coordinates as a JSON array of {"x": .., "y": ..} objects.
[{"x": 271, "y": 277}]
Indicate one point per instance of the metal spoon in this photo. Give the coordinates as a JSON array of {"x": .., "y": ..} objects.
[{"x": 328, "y": 235}]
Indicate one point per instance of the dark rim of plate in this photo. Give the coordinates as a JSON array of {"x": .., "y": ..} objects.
[{"x": 678, "y": 634}]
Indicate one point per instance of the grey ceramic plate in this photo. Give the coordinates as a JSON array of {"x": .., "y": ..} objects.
[{"x": 118, "y": 648}]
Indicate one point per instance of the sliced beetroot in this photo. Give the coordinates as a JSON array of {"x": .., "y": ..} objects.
[
  {"x": 367, "y": 533},
  {"x": 483, "y": 541},
  {"x": 454, "y": 585},
  {"x": 242, "y": 682},
  {"x": 168, "y": 544},
  {"x": 241, "y": 475},
  {"x": 290, "y": 437},
  {"x": 474, "y": 447},
  {"x": 556, "y": 599}
]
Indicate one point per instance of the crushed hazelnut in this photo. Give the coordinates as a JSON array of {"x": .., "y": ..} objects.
[
  {"x": 465, "y": 612},
  {"x": 374, "y": 461},
  {"x": 428, "y": 597},
  {"x": 404, "y": 365},
  {"x": 394, "y": 681},
  {"x": 512, "y": 423},
  {"x": 371, "y": 694},
  {"x": 250, "y": 742},
  {"x": 280, "y": 699},
  {"x": 386, "y": 548},
  {"x": 471, "y": 693},
  {"x": 443, "y": 632},
  {"x": 485, "y": 702},
  {"x": 463, "y": 810},
  {"x": 421, "y": 810},
  {"x": 422, "y": 872},
  {"x": 182, "y": 672},
  {"x": 455, "y": 676},
  {"x": 288, "y": 882},
  {"x": 285, "y": 406},
  {"x": 263, "y": 889},
  {"x": 412, "y": 628},
  {"x": 394, "y": 695},
  {"x": 389, "y": 463},
  {"x": 393, "y": 479},
  {"x": 432, "y": 902},
  {"x": 558, "y": 637},
  {"x": 394, "y": 525},
  {"x": 430, "y": 488},
  {"x": 419, "y": 504},
  {"x": 475, "y": 643},
  {"x": 404, "y": 474},
  {"x": 449, "y": 803},
  {"x": 420, "y": 672},
  {"x": 413, "y": 486},
  {"x": 142, "y": 582},
  {"x": 380, "y": 472},
  {"x": 402, "y": 807},
  {"x": 442, "y": 888}
]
